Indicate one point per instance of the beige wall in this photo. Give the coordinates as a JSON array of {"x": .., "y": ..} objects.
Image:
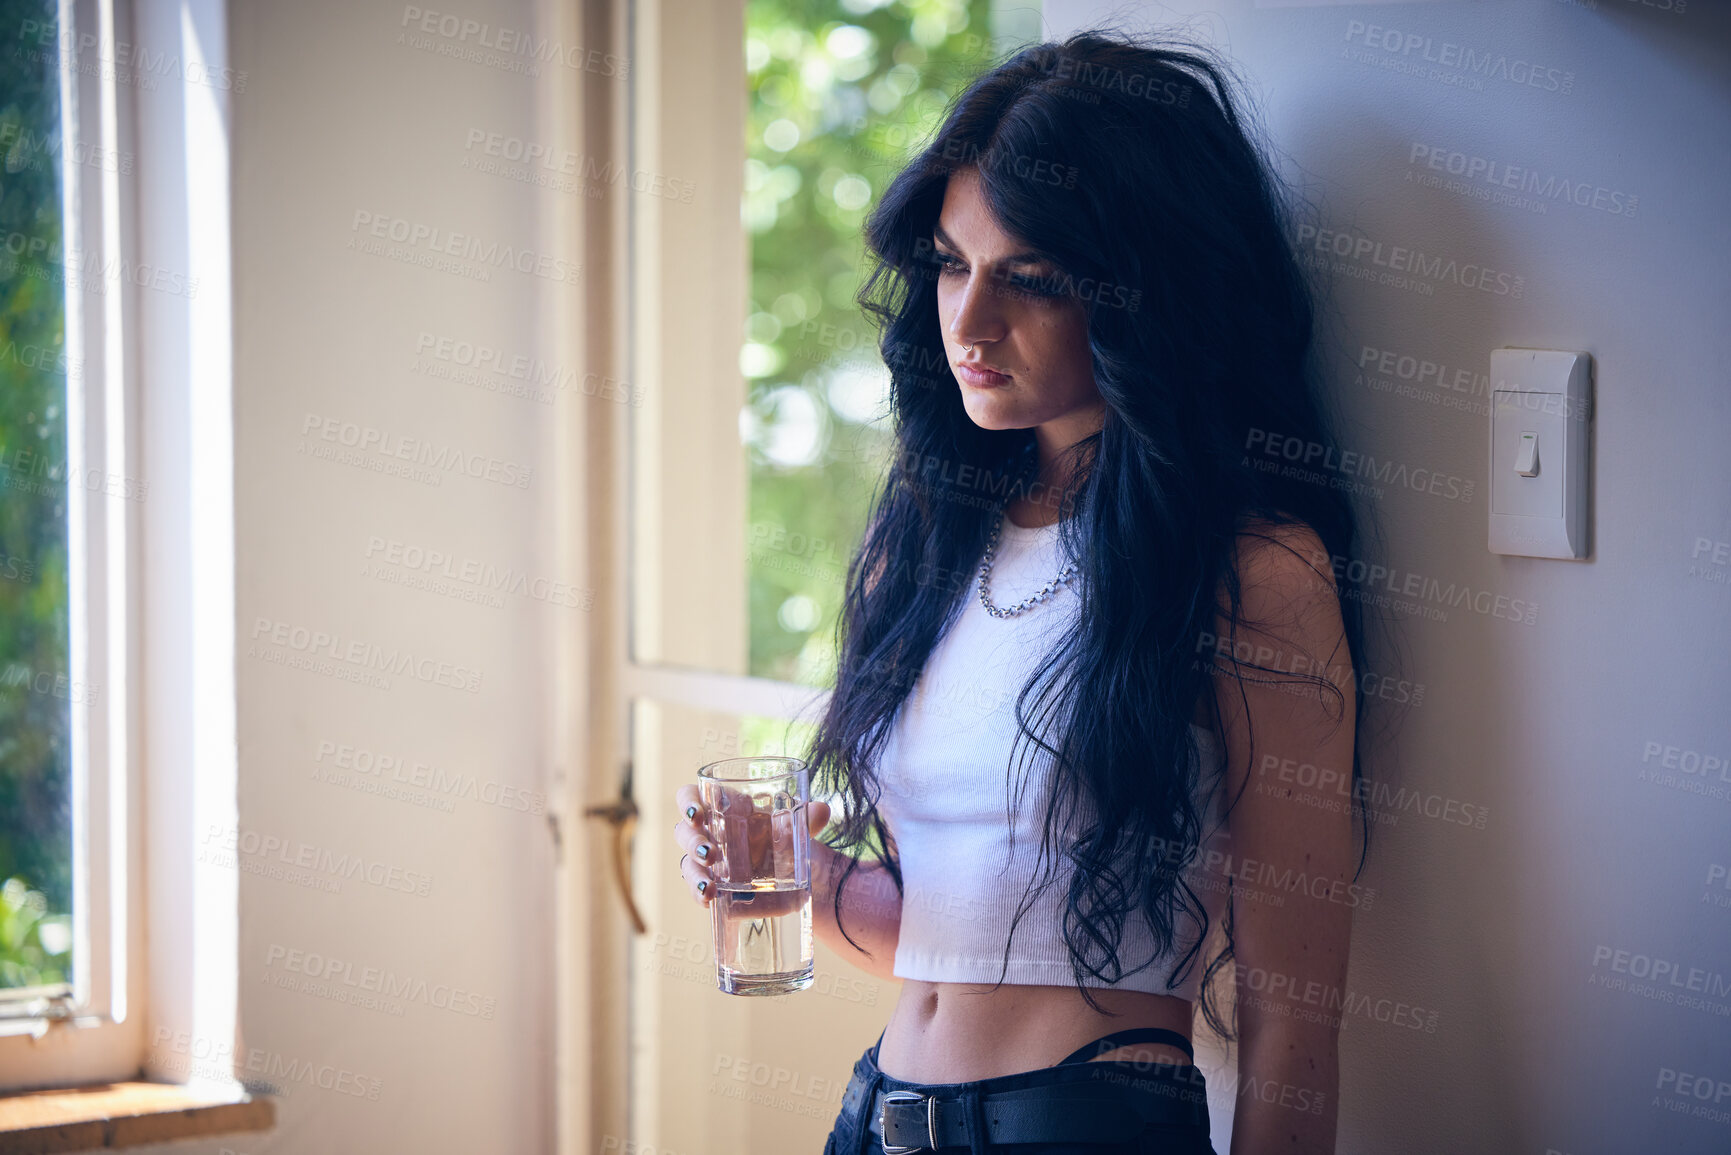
[{"x": 353, "y": 115}]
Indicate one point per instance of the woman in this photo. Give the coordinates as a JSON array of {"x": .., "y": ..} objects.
[{"x": 1091, "y": 602}]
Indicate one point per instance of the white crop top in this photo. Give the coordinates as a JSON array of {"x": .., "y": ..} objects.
[{"x": 946, "y": 776}]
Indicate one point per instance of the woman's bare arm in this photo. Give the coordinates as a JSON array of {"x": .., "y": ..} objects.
[
  {"x": 1291, "y": 947},
  {"x": 871, "y": 909}
]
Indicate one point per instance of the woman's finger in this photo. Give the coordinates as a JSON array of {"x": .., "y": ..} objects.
[
  {"x": 691, "y": 834},
  {"x": 698, "y": 880},
  {"x": 696, "y": 842},
  {"x": 689, "y": 801}
]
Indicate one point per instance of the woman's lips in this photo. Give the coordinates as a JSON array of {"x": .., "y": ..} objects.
[{"x": 979, "y": 376}]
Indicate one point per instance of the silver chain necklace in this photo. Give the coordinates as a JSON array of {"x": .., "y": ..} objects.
[{"x": 1027, "y": 603}]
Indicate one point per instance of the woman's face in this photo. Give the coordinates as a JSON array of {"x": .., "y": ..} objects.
[{"x": 1029, "y": 364}]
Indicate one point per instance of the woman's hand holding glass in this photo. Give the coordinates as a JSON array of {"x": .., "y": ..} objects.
[{"x": 753, "y": 848}]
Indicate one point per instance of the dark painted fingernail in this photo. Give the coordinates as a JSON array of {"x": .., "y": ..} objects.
[
  {"x": 703, "y": 887},
  {"x": 703, "y": 851},
  {"x": 691, "y": 812}
]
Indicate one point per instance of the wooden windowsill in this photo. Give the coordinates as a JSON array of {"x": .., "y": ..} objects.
[{"x": 110, "y": 1115}]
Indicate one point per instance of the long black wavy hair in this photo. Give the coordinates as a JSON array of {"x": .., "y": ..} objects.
[{"x": 1124, "y": 163}]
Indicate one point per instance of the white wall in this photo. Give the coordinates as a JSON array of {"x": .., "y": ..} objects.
[
  {"x": 1590, "y": 846},
  {"x": 350, "y": 110}
]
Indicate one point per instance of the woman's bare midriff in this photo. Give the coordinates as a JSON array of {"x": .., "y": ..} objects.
[{"x": 959, "y": 1032}]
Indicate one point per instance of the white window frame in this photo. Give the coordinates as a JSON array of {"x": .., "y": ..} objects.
[
  {"x": 673, "y": 562},
  {"x": 685, "y": 330},
  {"x": 149, "y": 458},
  {"x": 677, "y": 560},
  {"x": 54, "y": 1039}
]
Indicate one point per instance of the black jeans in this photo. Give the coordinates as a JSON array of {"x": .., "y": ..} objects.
[{"x": 1179, "y": 1089}]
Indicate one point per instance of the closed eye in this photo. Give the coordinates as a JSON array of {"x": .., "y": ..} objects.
[
  {"x": 1035, "y": 284},
  {"x": 1039, "y": 284}
]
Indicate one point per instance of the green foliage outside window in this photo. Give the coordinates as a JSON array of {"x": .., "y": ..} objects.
[
  {"x": 841, "y": 92},
  {"x": 35, "y": 946}
]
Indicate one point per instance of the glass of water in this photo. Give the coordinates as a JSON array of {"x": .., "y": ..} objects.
[{"x": 761, "y": 914}]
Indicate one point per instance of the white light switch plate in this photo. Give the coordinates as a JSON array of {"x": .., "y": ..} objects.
[{"x": 1541, "y": 402}]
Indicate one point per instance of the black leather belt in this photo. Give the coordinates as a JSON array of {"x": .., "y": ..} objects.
[{"x": 908, "y": 1121}]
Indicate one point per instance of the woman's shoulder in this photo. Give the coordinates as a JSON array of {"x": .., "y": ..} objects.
[
  {"x": 1282, "y": 557},
  {"x": 1288, "y": 598}
]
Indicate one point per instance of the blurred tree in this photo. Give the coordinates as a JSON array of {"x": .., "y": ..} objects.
[
  {"x": 35, "y": 946},
  {"x": 35, "y": 812},
  {"x": 841, "y": 93}
]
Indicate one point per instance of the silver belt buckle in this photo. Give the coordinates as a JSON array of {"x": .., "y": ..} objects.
[{"x": 907, "y": 1097}]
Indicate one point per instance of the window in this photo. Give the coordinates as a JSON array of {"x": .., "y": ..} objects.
[
  {"x": 36, "y": 681},
  {"x": 121, "y": 269},
  {"x": 750, "y": 465},
  {"x": 69, "y": 510}
]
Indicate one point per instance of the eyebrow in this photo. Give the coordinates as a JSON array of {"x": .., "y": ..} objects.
[{"x": 938, "y": 233}]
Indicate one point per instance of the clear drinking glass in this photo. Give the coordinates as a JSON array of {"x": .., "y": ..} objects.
[{"x": 761, "y": 914}]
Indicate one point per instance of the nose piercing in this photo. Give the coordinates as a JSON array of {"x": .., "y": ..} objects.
[{"x": 968, "y": 348}]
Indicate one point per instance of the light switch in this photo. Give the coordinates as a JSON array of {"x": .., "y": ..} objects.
[
  {"x": 1538, "y": 496},
  {"x": 1527, "y": 456}
]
